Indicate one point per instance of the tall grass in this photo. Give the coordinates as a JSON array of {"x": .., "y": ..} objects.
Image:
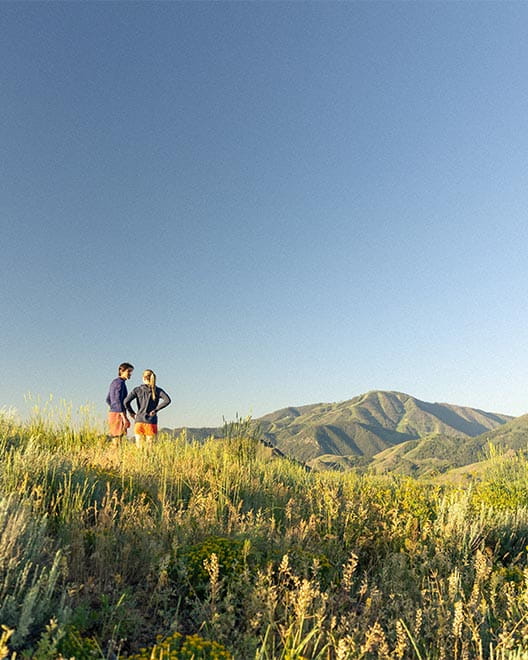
[{"x": 218, "y": 548}]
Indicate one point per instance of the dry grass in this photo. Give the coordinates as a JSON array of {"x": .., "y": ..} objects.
[{"x": 105, "y": 551}]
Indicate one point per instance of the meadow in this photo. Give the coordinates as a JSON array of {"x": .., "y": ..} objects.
[{"x": 219, "y": 550}]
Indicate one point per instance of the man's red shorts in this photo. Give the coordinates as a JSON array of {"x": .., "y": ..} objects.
[{"x": 117, "y": 425}]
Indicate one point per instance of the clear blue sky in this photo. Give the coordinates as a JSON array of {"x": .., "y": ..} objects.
[{"x": 269, "y": 204}]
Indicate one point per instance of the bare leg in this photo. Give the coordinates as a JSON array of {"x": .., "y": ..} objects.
[
  {"x": 140, "y": 439},
  {"x": 149, "y": 441}
]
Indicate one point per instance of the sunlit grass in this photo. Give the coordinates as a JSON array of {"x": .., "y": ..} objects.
[{"x": 106, "y": 551}]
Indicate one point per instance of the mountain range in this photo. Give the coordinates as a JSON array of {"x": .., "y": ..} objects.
[{"x": 385, "y": 431}]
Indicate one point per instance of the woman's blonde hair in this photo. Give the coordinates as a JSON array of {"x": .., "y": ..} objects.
[{"x": 148, "y": 373}]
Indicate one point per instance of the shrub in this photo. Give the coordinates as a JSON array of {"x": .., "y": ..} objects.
[
  {"x": 228, "y": 551},
  {"x": 179, "y": 647}
]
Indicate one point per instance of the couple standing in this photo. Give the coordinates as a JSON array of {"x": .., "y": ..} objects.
[{"x": 150, "y": 400}]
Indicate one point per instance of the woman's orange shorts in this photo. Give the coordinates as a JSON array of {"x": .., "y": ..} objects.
[
  {"x": 117, "y": 425},
  {"x": 142, "y": 428}
]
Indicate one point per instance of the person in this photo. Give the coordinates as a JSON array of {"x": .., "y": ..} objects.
[
  {"x": 117, "y": 393},
  {"x": 150, "y": 400}
]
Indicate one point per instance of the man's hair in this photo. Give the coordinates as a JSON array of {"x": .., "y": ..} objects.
[{"x": 123, "y": 367}]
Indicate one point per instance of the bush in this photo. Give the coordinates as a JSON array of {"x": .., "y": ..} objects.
[{"x": 179, "y": 647}]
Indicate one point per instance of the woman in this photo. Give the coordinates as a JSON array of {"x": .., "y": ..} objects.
[{"x": 150, "y": 400}]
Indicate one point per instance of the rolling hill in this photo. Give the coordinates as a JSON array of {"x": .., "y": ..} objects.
[
  {"x": 440, "y": 453},
  {"x": 351, "y": 433}
]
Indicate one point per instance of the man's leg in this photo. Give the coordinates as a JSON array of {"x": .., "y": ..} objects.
[{"x": 118, "y": 428}]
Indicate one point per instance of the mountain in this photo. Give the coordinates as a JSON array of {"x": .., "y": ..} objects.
[
  {"x": 438, "y": 453},
  {"x": 369, "y": 424},
  {"x": 350, "y": 433}
]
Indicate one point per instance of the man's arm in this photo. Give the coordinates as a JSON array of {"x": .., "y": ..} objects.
[{"x": 114, "y": 399}]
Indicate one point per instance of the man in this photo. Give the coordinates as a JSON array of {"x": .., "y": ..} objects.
[{"x": 117, "y": 393}]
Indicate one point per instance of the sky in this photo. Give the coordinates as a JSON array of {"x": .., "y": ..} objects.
[{"x": 269, "y": 204}]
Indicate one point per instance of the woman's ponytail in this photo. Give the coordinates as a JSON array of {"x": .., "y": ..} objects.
[{"x": 148, "y": 373}]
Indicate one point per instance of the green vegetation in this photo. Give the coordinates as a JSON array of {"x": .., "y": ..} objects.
[
  {"x": 362, "y": 428},
  {"x": 217, "y": 550},
  {"x": 369, "y": 424},
  {"x": 438, "y": 454}
]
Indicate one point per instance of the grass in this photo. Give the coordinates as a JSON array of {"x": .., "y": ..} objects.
[{"x": 218, "y": 550}]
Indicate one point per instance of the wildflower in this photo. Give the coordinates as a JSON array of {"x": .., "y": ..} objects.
[
  {"x": 458, "y": 619},
  {"x": 401, "y": 640}
]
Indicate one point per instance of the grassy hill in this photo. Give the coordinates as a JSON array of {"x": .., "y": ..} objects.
[
  {"x": 365, "y": 426},
  {"x": 217, "y": 550},
  {"x": 370, "y": 423},
  {"x": 512, "y": 435},
  {"x": 439, "y": 453}
]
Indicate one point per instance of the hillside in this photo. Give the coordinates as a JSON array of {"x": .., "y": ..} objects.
[
  {"x": 215, "y": 551},
  {"x": 370, "y": 423},
  {"x": 440, "y": 453},
  {"x": 364, "y": 426}
]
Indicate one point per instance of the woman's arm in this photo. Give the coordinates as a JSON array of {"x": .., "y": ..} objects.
[
  {"x": 128, "y": 401},
  {"x": 164, "y": 400}
]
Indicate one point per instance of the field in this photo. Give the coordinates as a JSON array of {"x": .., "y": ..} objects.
[{"x": 219, "y": 550}]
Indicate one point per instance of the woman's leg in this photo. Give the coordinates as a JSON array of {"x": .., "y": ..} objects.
[
  {"x": 149, "y": 441},
  {"x": 140, "y": 439}
]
